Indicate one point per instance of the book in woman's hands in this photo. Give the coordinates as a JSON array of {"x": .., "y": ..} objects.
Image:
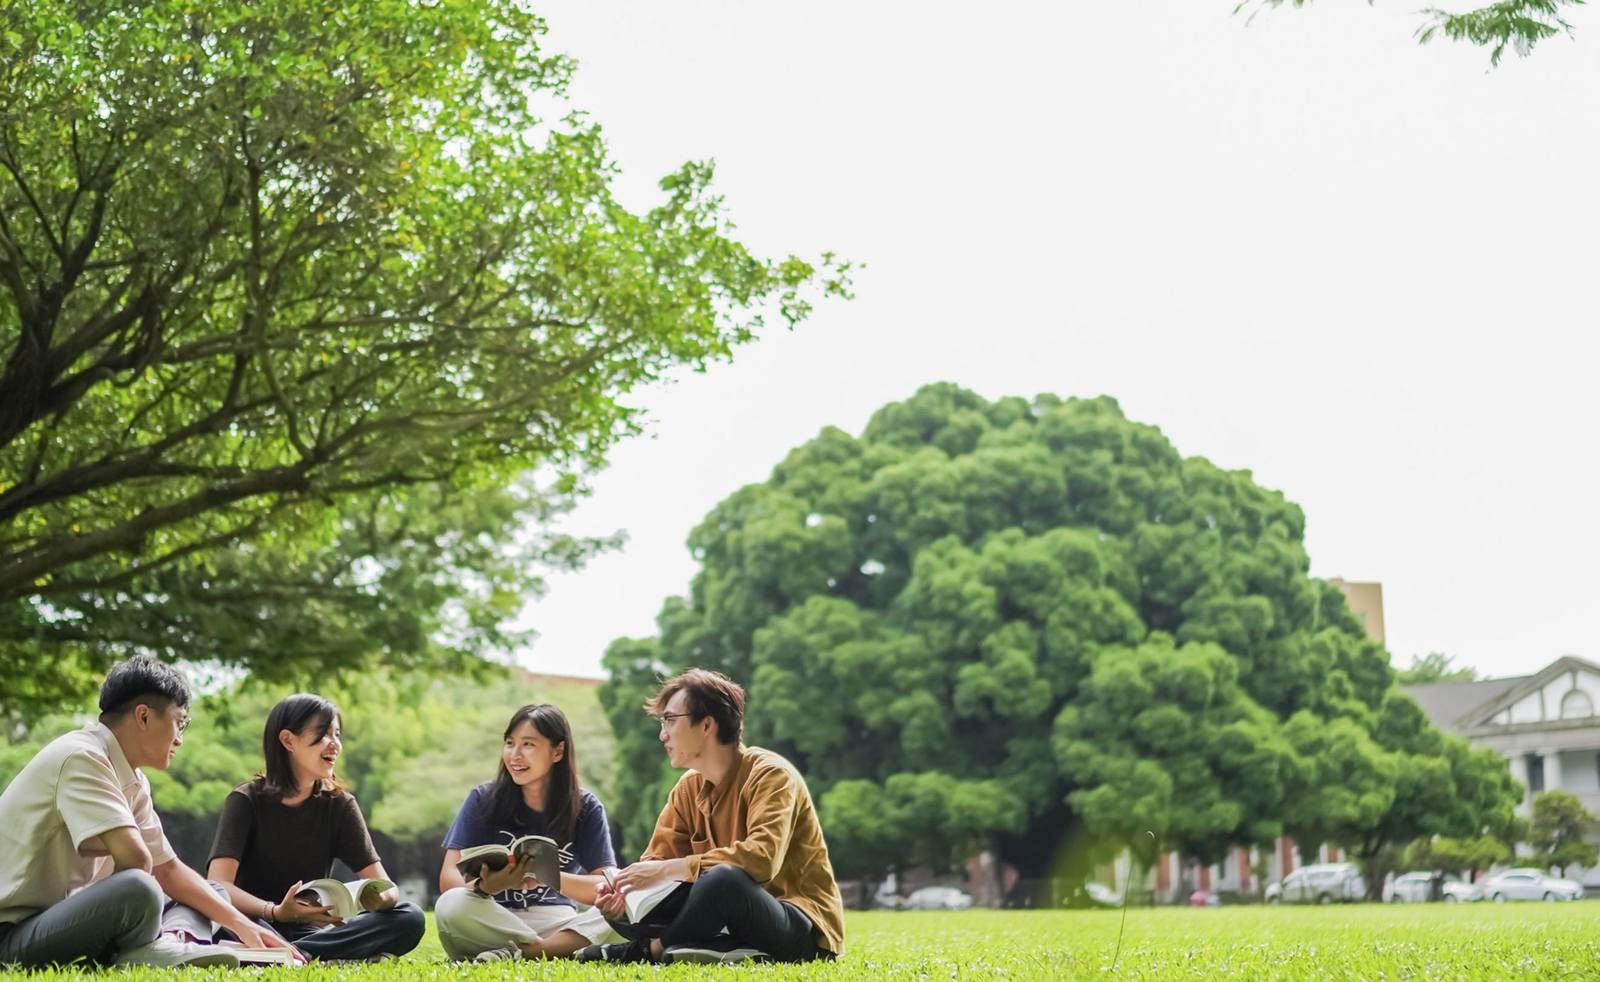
[
  {"x": 540, "y": 858},
  {"x": 346, "y": 899}
]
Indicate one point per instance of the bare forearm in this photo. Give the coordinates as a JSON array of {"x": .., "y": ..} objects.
[
  {"x": 248, "y": 903},
  {"x": 190, "y": 889},
  {"x": 579, "y": 887}
]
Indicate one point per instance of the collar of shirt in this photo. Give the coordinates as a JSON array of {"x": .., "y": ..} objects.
[
  {"x": 712, "y": 795},
  {"x": 126, "y": 775}
]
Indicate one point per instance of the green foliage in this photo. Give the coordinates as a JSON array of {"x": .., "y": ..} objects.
[
  {"x": 1557, "y": 831},
  {"x": 1435, "y": 666},
  {"x": 1459, "y": 856},
  {"x": 1515, "y": 24},
  {"x": 284, "y": 274},
  {"x": 1033, "y": 624}
]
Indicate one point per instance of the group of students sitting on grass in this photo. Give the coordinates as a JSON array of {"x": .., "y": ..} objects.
[{"x": 736, "y": 868}]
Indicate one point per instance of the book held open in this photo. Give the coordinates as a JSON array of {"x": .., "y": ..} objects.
[
  {"x": 638, "y": 903},
  {"x": 346, "y": 899},
  {"x": 540, "y": 858}
]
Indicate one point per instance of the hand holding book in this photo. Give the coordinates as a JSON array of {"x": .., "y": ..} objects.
[{"x": 536, "y": 857}]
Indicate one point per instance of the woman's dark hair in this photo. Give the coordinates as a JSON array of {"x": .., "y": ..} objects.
[
  {"x": 296, "y": 713},
  {"x": 563, "y": 794}
]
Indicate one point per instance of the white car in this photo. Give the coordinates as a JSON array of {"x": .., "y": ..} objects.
[
  {"x": 1529, "y": 884},
  {"x": 937, "y": 898},
  {"x": 1321, "y": 883},
  {"x": 1416, "y": 888}
]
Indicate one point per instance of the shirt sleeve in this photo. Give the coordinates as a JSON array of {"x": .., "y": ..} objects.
[
  {"x": 352, "y": 842},
  {"x": 90, "y": 800},
  {"x": 467, "y": 829},
  {"x": 769, "y": 823},
  {"x": 234, "y": 827},
  {"x": 674, "y": 832},
  {"x": 594, "y": 836},
  {"x": 155, "y": 838}
]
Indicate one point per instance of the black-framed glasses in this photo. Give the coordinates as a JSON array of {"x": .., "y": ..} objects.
[{"x": 665, "y": 719}]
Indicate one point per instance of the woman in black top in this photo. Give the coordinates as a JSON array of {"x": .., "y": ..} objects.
[{"x": 287, "y": 827}]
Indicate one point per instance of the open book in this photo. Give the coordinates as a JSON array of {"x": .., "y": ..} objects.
[
  {"x": 540, "y": 857},
  {"x": 346, "y": 899},
  {"x": 641, "y": 902},
  {"x": 263, "y": 956}
]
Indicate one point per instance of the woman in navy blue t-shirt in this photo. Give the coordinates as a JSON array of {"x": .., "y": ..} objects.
[{"x": 505, "y": 913}]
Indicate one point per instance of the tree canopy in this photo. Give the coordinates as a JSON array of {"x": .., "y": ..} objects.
[
  {"x": 1034, "y": 624},
  {"x": 1435, "y": 666},
  {"x": 266, "y": 265},
  {"x": 1515, "y": 24},
  {"x": 1557, "y": 831}
]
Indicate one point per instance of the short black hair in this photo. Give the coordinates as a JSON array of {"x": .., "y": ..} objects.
[{"x": 142, "y": 679}]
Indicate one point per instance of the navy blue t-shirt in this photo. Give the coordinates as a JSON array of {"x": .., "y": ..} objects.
[{"x": 589, "y": 850}]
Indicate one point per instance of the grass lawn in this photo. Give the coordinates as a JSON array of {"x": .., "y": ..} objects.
[{"x": 1467, "y": 941}]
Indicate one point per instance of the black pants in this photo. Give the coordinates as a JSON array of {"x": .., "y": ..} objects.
[
  {"x": 726, "y": 897},
  {"x": 375, "y": 932}
]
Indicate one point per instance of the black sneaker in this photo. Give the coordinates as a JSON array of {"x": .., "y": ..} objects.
[
  {"x": 637, "y": 950},
  {"x": 686, "y": 955}
]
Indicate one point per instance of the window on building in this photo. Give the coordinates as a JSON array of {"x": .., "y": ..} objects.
[
  {"x": 1535, "y": 773},
  {"x": 1577, "y": 705}
]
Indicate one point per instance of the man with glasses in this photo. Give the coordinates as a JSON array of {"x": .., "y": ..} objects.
[
  {"x": 740, "y": 833},
  {"x": 85, "y": 869}
]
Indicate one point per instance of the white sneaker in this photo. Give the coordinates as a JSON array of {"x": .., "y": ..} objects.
[
  {"x": 497, "y": 955},
  {"x": 168, "y": 952}
]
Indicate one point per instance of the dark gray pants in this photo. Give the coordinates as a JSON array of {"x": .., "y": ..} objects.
[{"x": 119, "y": 912}]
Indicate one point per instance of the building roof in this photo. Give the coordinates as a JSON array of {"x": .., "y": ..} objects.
[{"x": 1446, "y": 703}]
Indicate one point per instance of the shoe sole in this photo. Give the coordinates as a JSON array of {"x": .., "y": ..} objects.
[
  {"x": 220, "y": 959},
  {"x": 710, "y": 956}
]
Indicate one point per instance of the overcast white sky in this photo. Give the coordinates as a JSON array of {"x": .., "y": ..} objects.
[{"x": 1363, "y": 270}]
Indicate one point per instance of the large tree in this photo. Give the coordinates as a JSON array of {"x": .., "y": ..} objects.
[
  {"x": 265, "y": 264},
  {"x": 1034, "y": 625}
]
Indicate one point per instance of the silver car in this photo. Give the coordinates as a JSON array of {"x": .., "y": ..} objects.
[
  {"x": 1529, "y": 884},
  {"x": 1322, "y": 883},
  {"x": 1416, "y": 888},
  {"x": 937, "y": 898}
]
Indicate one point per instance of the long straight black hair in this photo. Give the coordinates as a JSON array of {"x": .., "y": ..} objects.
[
  {"x": 296, "y": 714},
  {"x": 563, "y": 794}
]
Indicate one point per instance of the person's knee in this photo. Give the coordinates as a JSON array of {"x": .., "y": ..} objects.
[
  {"x": 407, "y": 924},
  {"x": 136, "y": 899},
  {"x": 725, "y": 879},
  {"x": 451, "y": 905}
]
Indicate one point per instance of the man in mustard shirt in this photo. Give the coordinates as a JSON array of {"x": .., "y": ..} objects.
[{"x": 741, "y": 834}]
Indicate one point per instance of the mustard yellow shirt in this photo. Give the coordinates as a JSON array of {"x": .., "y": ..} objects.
[{"x": 762, "y": 821}]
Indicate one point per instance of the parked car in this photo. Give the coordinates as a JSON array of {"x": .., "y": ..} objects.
[
  {"x": 937, "y": 898},
  {"x": 1322, "y": 883},
  {"x": 1417, "y": 887},
  {"x": 1529, "y": 884},
  {"x": 1101, "y": 895}
]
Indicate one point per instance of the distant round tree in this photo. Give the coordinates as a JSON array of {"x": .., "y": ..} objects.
[{"x": 1034, "y": 626}]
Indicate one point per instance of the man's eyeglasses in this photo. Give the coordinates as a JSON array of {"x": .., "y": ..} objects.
[
  {"x": 183, "y": 722},
  {"x": 665, "y": 719}
]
